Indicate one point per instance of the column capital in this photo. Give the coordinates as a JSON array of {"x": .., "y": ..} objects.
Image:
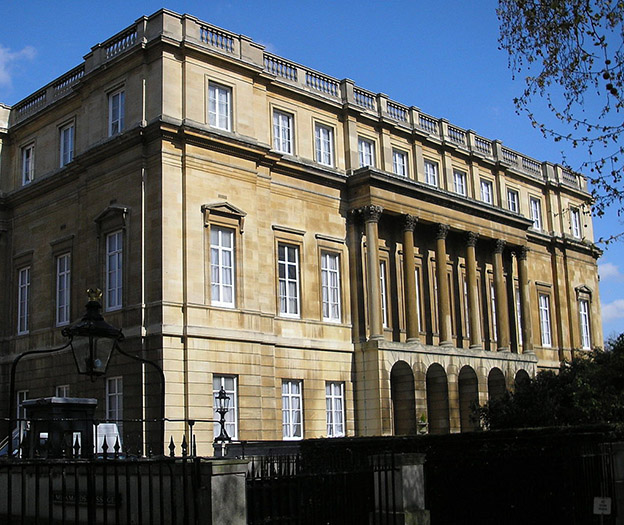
[
  {"x": 471, "y": 239},
  {"x": 409, "y": 222},
  {"x": 522, "y": 252},
  {"x": 372, "y": 213},
  {"x": 442, "y": 231},
  {"x": 499, "y": 245}
]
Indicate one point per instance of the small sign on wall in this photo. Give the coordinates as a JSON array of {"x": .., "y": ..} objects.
[{"x": 602, "y": 506}]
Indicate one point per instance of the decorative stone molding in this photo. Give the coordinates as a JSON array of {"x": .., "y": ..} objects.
[
  {"x": 409, "y": 222},
  {"x": 372, "y": 213},
  {"x": 471, "y": 239},
  {"x": 522, "y": 253},
  {"x": 442, "y": 231},
  {"x": 499, "y": 245}
]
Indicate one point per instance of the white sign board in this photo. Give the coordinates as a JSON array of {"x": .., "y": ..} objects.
[{"x": 602, "y": 506}]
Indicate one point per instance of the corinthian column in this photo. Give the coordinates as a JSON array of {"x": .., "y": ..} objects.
[
  {"x": 500, "y": 296},
  {"x": 372, "y": 215},
  {"x": 444, "y": 306},
  {"x": 525, "y": 301},
  {"x": 409, "y": 270},
  {"x": 473, "y": 292}
]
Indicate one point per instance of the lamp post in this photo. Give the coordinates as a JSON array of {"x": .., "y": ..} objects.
[
  {"x": 92, "y": 341},
  {"x": 223, "y": 402}
]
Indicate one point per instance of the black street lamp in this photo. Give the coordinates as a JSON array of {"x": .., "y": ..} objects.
[
  {"x": 223, "y": 402},
  {"x": 92, "y": 339}
]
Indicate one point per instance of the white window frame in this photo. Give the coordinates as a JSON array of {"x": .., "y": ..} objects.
[
  {"x": 431, "y": 173},
  {"x": 324, "y": 144},
  {"x": 575, "y": 223},
  {"x": 487, "y": 191},
  {"x": 61, "y": 391},
  {"x": 23, "y": 300},
  {"x": 292, "y": 409},
  {"x": 466, "y": 307},
  {"x": 513, "y": 201},
  {"x": 399, "y": 163},
  {"x": 283, "y": 136},
  {"x": 459, "y": 182},
  {"x": 289, "y": 293},
  {"x": 536, "y": 213},
  {"x": 335, "y": 408},
  {"x": 584, "y": 315},
  {"x": 545, "y": 321},
  {"x": 219, "y": 106},
  {"x": 114, "y": 401},
  {"x": 519, "y": 315},
  {"x": 493, "y": 307},
  {"x": 366, "y": 152},
  {"x": 330, "y": 286},
  {"x": 66, "y": 150},
  {"x": 222, "y": 266},
  {"x": 114, "y": 270},
  {"x": 417, "y": 281},
  {"x": 230, "y": 385},
  {"x": 383, "y": 288},
  {"x": 116, "y": 112},
  {"x": 63, "y": 289},
  {"x": 28, "y": 164}
]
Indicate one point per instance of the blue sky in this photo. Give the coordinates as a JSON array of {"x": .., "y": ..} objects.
[{"x": 442, "y": 57}]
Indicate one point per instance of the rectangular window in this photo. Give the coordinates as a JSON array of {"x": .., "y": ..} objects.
[
  {"x": 366, "y": 150},
  {"x": 62, "y": 391},
  {"x": 417, "y": 277},
  {"x": 229, "y": 384},
  {"x": 23, "y": 302},
  {"x": 536, "y": 213},
  {"x": 28, "y": 164},
  {"x": 519, "y": 315},
  {"x": 544, "y": 314},
  {"x": 459, "y": 182},
  {"x": 330, "y": 284},
  {"x": 466, "y": 311},
  {"x": 585, "y": 326},
  {"x": 512, "y": 201},
  {"x": 399, "y": 163},
  {"x": 575, "y": 222},
  {"x": 114, "y": 401},
  {"x": 334, "y": 399},
  {"x": 67, "y": 144},
  {"x": 324, "y": 141},
  {"x": 116, "y": 112},
  {"x": 487, "y": 194},
  {"x": 222, "y": 266},
  {"x": 288, "y": 273},
  {"x": 219, "y": 106},
  {"x": 292, "y": 409},
  {"x": 431, "y": 173},
  {"x": 384, "y": 294},
  {"x": 63, "y": 283},
  {"x": 283, "y": 132},
  {"x": 493, "y": 303},
  {"x": 114, "y": 272}
]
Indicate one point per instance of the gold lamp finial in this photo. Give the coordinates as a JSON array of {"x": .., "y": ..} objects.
[{"x": 94, "y": 294}]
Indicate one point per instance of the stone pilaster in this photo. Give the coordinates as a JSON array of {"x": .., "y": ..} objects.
[
  {"x": 500, "y": 296},
  {"x": 409, "y": 270},
  {"x": 474, "y": 322},
  {"x": 525, "y": 301},
  {"x": 444, "y": 306},
  {"x": 371, "y": 215}
]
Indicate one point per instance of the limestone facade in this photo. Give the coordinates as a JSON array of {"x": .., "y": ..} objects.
[{"x": 343, "y": 263}]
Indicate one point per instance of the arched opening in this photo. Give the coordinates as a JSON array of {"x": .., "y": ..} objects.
[
  {"x": 468, "y": 398},
  {"x": 437, "y": 400},
  {"x": 496, "y": 384},
  {"x": 522, "y": 378},
  {"x": 403, "y": 398}
]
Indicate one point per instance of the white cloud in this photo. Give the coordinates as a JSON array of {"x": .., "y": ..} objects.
[
  {"x": 609, "y": 271},
  {"x": 8, "y": 58},
  {"x": 613, "y": 310}
]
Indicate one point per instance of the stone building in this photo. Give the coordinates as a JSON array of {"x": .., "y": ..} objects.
[{"x": 341, "y": 263}]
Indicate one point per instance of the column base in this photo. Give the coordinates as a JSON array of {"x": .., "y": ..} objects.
[
  {"x": 413, "y": 340},
  {"x": 505, "y": 350},
  {"x": 475, "y": 347},
  {"x": 446, "y": 343}
]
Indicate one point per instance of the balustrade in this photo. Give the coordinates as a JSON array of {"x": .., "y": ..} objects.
[
  {"x": 397, "y": 112},
  {"x": 364, "y": 99},
  {"x": 215, "y": 38},
  {"x": 322, "y": 83},
  {"x": 120, "y": 43},
  {"x": 456, "y": 135},
  {"x": 280, "y": 68},
  {"x": 428, "y": 124}
]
